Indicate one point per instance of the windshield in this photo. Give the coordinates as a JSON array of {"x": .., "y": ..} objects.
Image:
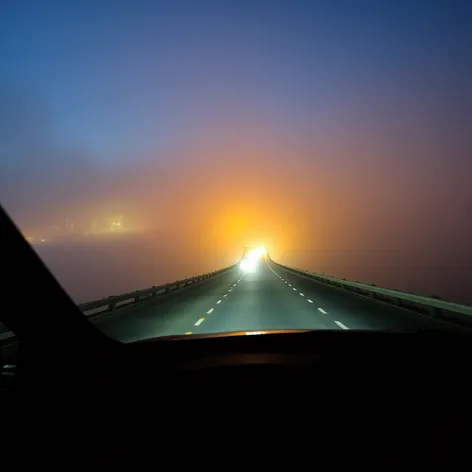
[{"x": 217, "y": 166}]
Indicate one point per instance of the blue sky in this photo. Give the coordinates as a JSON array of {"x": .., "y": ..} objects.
[{"x": 120, "y": 78}]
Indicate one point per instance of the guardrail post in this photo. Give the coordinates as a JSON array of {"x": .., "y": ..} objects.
[{"x": 435, "y": 311}]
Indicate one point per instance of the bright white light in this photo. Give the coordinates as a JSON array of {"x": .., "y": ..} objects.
[
  {"x": 248, "y": 264},
  {"x": 256, "y": 253}
]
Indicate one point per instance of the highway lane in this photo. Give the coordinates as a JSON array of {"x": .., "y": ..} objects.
[
  {"x": 175, "y": 313},
  {"x": 270, "y": 298},
  {"x": 356, "y": 311},
  {"x": 260, "y": 301}
]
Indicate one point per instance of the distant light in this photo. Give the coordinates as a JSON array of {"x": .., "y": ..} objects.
[
  {"x": 261, "y": 251},
  {"x": 248, "y": 333},
  {"x": 248, "y": 264},
  {"x": 258, "y": 252},
  {"x": 43, "y": 240}
]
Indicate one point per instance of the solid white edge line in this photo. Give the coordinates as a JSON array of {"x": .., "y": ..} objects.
[
  {"x": 210, "y": 310},
  {"x": 309, "y": 301},
  {"x": 340, "y": 324},
  {"x": 322, "y": 311}
]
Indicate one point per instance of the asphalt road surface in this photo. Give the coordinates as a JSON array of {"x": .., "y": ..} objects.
[{"x": 270, "y": 298}]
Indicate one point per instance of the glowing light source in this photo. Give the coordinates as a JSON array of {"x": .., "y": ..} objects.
[
  {"x": 248, "y": 264},
  {"x": 256, "y": 253}
]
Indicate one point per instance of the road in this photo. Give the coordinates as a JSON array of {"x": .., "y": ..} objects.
[{"x": 270, "y": 298}]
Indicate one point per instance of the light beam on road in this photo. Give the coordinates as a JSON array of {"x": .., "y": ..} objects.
[{"x": 249, "y": 263}]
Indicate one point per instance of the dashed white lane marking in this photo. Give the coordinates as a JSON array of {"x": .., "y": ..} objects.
[
  {"x": 210, "y": 310},
  {"x": 294, "y": 289},
  {"x": 301, "y": 294},
  {"x": 218, "y": 302},
  {"x": 230, "y": 290},
  {"x": 286, "y": 282},
  {"x": 289, "y": 285},
  {"x": 200, "y": 321},
  {"x": 234, "y": 285},
  {"x": 309, "y": 301},
  {"x": 341, "y": 325},
  {"x": 322, "y": 311},
  {"x": 225, "y": 295}
]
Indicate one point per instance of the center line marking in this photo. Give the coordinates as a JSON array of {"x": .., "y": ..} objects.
[
  {"x": 200, "y": 321},
  {"x": 341, "y": 325},
  {"x": 218, "y": 302},
  {"x": 301, "y": 294},
  {"x": 322, "y": 311},
  {"x": 309, "y": 301},
  {"x": 188, "y": 332},
  {"x": 210, "y": 310}
]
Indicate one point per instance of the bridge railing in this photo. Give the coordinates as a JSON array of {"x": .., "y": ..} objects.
[
  {"x": 105, "y": 305},
  {"x": 96, "y": 308},
  {"x": 432, "y": 306}
]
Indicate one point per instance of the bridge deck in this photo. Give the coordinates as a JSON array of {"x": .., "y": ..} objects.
[{"x": 270, "y": 298}]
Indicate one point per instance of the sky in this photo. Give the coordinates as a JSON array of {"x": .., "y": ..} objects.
[{"x": 336, "y": 133}]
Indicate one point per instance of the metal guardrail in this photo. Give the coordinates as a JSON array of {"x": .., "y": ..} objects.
[
  {"x": 433, "y": 306},
  {"x": 115, "y": 302},
  {"x": 106, "y": 305}
]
